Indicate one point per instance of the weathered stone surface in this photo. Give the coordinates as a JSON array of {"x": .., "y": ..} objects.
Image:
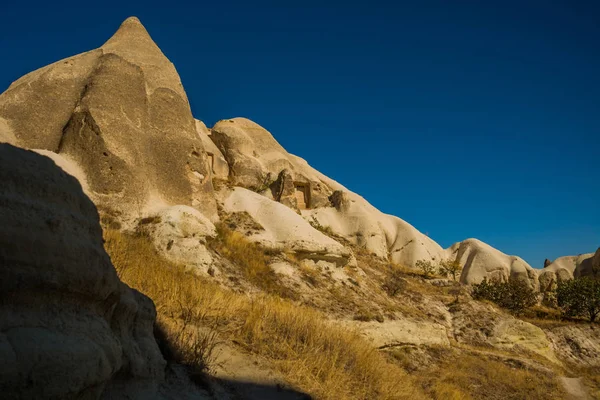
[
  {"x": 180, "y": 234},
  {"x": 256, "y": 159},
  {"x": 219, "y": 167},
  {"x": 404, "y": 332},
  {"x": 339, "y": 199},
  {"x": 577, "y": 344},
  {"x": 285, "y": 230},
  {"x": 283, "y": 190},
  {"x": 481, "y": 324},
  {"x": 384, "y": 235},
  {"x": 120, "y": 113},
  {"x": 480, "y": 260},
  {"x": 565, "y": 268},
  {"x": 69, "y": 327}
]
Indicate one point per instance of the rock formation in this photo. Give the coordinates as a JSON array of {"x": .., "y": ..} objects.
[
  {"x": 121, "y": 115},
  {"x": 69, "y": 327},
  {"x": 117, "y": 118},
  {"x": 481, "y": 260},
  {"x": 180, "y": 234},
  {"x": 569, "y": 267},
  {"x": 257, "y": 161}
]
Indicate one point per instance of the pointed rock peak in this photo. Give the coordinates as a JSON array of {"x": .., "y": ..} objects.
[
  {"x": 132, "y": 20},
  {"x": 133, "y": 43},
  {"x": 131, "y": 34}
]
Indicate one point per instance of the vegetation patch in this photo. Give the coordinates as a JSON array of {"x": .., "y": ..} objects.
[
  {"x": 322, "y": 359},
  {"x": 579, "y": 298},
  {"x": 514, "y": 295}
]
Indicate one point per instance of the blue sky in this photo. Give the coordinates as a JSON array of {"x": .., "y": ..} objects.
[{"x": 465, "y": 118}]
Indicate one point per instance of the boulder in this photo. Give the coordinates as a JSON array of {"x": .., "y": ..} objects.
[
  {"x": 69, "y": 327},
  {"x": 121, "y": 115},
  {"x": 480, "y": 260}
]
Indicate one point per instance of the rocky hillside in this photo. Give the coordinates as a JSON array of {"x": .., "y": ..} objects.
[
  {"x": 118, "y": 119},
  {"x": 216, "y": 223}
]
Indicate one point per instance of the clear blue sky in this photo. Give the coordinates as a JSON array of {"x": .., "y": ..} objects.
[{"x": 465, "y": 118}]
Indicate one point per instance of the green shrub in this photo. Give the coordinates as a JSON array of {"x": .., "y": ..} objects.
[
  {"x": 514, "y": 295},
  {"x": 579, "y": 298},
  {"x": 450, "y": 268}
]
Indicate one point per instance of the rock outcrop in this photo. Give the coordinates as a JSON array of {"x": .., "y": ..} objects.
[
  {"x": 256, "y": 159},
  {"x": 121, "y": 115},
  {"x": 180, "y": 234},
  {"x": 480, "y": 260},
  {"x": 569, "y": 267},
  {"x": 69, "y": 328},
  {"x": 258, "y": 162},
  {"x": 284, "y": 230}
]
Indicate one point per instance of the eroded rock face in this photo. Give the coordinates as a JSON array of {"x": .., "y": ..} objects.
[
  {"x": 69, "y": 327},
  {"x": 480, "y": 260},
  {"x": 120, "y": 113},
  {"x": 218, "y": 167},
  {"x": 256, "y": 160},
  {"x": 284, "y": 230}
]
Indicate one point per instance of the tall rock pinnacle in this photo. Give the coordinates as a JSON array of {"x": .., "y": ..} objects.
[
  {"x": 133, "y": 43},
  {"x": 120, "y": 113}
]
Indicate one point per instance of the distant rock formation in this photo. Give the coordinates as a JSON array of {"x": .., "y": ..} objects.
[
  {"x": 480, "y": 260},
  {"x": 569, "y": 267},
  {"x": 69, "y": 327},
  {"x": 121, "y": 115},
  {"x": 547, "y": 262}
]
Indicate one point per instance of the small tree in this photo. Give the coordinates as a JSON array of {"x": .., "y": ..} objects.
[
  {"x": 450, "y": 268},
  {"x": 579, "y": 297},
  {"x": 394, "y": 282},
  {"x": 426, "y": 267}
]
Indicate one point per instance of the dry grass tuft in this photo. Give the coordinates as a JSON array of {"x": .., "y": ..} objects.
[
  {"x": 250, "y": 258},
  {"x": 321, "y": 359}
]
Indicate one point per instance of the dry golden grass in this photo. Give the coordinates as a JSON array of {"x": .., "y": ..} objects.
[
  {"x": 319, "y": 358},
  {"x": 250, "y": 258},
  {"x": 467, "y": 374},
  {"x": 473, "y": 377}
]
